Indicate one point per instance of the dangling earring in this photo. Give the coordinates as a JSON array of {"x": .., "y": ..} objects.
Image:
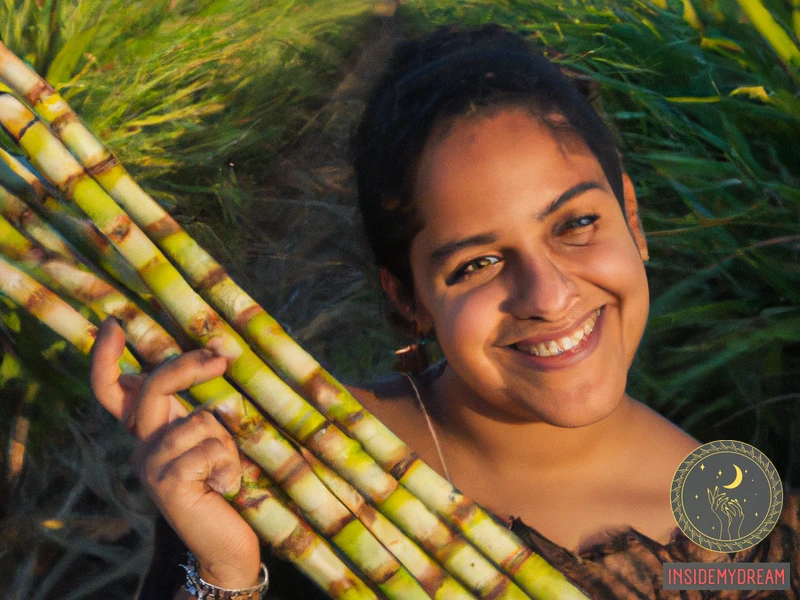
[{"x": 414, "y": 358}]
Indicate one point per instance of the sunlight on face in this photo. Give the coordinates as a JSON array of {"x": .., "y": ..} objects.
[{"x": 527, "y": 270}]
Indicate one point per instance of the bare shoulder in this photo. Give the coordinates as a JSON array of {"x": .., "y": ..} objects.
[
  {"x": 653, "y": 430},
  {"x": 391, "y": 400}
]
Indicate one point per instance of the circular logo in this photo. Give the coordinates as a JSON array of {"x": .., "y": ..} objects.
[{"x": 726, "y": 496}]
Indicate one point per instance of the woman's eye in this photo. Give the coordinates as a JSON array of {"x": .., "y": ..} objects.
[
  {"x": 470, "y": 268},
  {"x": 575, "y": 225}
]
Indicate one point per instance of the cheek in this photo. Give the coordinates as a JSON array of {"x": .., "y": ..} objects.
[
  {"x": 465, "y": 326},
  {"x": 619, "y": 270}
]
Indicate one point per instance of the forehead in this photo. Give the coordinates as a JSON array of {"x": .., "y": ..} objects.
[{"x": 476, "y": 170}]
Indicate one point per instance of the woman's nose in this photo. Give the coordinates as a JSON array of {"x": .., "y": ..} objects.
[{"x": 540, "y": 289}]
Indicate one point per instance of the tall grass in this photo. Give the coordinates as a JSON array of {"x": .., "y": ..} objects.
[{"x": 232, "y": 114}]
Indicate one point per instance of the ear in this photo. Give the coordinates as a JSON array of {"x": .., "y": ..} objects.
[
  {"x": 409, "y": 309},
  {"x": 632, "y": 216}
]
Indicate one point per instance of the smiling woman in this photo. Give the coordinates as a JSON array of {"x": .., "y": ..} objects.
[{"x": 504, "y": 225}]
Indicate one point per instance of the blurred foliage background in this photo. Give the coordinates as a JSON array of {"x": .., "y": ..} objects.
[{"x": 236, "y": 116}]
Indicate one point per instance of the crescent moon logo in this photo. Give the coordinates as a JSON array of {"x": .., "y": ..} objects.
[
  {"x": 737, "y": 480},
  {"x": 732, "y": 517}
]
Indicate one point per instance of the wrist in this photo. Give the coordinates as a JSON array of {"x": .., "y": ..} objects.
[
  {"x": 224, "y": 583},
  {"x": 229, "y": 576}
]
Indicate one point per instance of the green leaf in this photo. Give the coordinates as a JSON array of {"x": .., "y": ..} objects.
[{"x": 67, "y": 59}]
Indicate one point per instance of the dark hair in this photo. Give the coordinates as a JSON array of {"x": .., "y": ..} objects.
[{"x": 453, "y": 72}]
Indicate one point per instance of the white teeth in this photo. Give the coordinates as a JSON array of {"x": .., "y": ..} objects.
[{"x": 556, "y": 347}]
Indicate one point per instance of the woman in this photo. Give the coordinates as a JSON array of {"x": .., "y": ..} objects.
[{"x": 496, "y": 206}]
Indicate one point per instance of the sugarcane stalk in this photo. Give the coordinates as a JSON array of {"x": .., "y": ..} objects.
[
  {"x": 24, "y": 218},
  {"x": 257, "y": 500},
  {"x": 770, "y": 30},
  {"x": 148, "y": 338},
  {"x": 68, "y": 219},
  {"x": 503, "y": 547},
  {"x": 530, "y": 571},
  {"x": 256, "y": 436},
  {"x": 51, "y": 310},
  {"x": 293, "y": 539},
  {"x": 435, "y": 581},
  {"x": 285, "y": 407}
]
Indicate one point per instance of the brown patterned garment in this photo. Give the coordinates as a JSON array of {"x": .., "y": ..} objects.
[{"x": 629, "y": 566}]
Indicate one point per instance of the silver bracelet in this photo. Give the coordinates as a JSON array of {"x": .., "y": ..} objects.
[{"x": 203, "y": 590}]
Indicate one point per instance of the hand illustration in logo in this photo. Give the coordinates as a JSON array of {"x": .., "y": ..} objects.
[{"x": 728, "y": 511}]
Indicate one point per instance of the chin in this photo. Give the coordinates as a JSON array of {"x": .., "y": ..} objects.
[{"x": 579, "y": 410}]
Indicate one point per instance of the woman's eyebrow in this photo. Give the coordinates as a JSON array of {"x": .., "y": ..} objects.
[
  {"x": 441, "y": 254},
  {"x": 575, "y": 190}
]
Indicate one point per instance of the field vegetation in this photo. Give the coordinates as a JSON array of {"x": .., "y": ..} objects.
[{"x": 235, "y": 116}]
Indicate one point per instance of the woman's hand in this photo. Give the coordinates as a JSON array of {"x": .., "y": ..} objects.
[{"x": 185, "y": 460}]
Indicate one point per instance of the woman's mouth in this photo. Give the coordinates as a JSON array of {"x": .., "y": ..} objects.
[{"x": 570, "y": 343}]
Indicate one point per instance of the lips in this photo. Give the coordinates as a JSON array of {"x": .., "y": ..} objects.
[{"x": 568, "y": 341}]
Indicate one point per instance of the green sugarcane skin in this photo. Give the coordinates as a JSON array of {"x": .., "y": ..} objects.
[
  {"x": 433, "y": 579},
  {"x": 22, "y": 217},
  {"x": 264, "y": 444},
  {"x": 269, "y": 517},
  {"x": 68, "y": 218},
  {"x": 259, "y": 504},
  {"x": 51, "y": 310},
  {"x": 301, "y": 484},
  {"x": 148, "y": 338},
  {"x": 358, "y": 543},
  {"x": 394, "y": 447}
]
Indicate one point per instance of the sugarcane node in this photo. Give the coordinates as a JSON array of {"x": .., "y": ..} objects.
[
  {"x": 403, "y": 465},
  {"x": 21, "y": 131},
  {"x": 367, "y": 514},
  {"x": 250, "y": 497},
  {"x": 108, "y": 162},
  {"x": 38, "y": 299},
  {"x": 161, "y": 228},
  {"x": 464, "y": 511},
  {"x": 514, "y": 562},
  {"x": 299, "y": 540},
  {"x": 212, "y": 278},
  {"x": 384, "y": 573},
  {"x": 293, "y": 470},
  {"x": 498, "y": 590},
  {"x": 41, "y": 89},
  {"x": 244, "y": 317},
  {"x": 127, "y": 313},
  {"x": 120, "y": 229},
  {"x": 202, "y": 324},
  {"x": 68, "y": 185},
  {"x": 62, "y": 121},
  {"x": 323, "y": 393}
]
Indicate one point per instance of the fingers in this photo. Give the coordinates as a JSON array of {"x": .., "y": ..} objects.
[
  {"x": 156, "y": 402},
  {"x": 195, "y": 449},
  {"x": 104, "y": 375}
]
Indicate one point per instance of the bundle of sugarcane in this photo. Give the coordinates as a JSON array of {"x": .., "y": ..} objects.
[{"x": 362, "y": 493}]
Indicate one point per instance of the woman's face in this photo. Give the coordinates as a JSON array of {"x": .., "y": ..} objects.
[{"x": 527, "y": 270}]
